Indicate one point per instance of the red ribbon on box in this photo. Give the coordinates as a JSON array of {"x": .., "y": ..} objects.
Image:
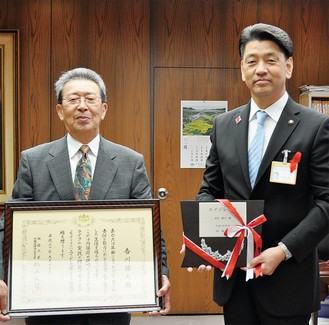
[
  {"x": 197, "y": 250},
  {"x": 232, "y": 231}
]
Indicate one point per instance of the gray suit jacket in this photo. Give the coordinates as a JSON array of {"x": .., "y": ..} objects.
[
  {"x": 44, "y": 174},
  {"x": 297, "y": 215}
]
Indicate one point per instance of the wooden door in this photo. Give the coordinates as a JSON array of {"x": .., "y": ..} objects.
[{"x": 191, "y": 292}]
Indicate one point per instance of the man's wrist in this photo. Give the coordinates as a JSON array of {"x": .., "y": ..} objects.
[{"x": 286, "y": 251}]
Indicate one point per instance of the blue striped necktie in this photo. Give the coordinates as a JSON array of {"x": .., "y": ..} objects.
[{"x": 256, "y": 148}]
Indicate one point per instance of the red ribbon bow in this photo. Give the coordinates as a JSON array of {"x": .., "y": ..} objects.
[
  {"x": 235, "y": 230},
  {"x": 228, "y": 269}
]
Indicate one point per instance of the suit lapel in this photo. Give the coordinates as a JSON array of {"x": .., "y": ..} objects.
[
  {"x": 60, "y": 170},
  {"x": 280, "y": 135},
  {"x": 241, "y": 124},
  {"x": 105, "y": 171}
]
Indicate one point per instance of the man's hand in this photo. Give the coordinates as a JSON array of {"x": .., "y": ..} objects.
[
  {"x": 165, "y": 293},
  {"x": 201, "y": 268},
  {"x": 3, "y": 302},
  {"x": 269, "y": 260}
]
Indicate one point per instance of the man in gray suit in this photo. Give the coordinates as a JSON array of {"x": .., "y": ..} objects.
[
  {"x": 297, "y": 210},
  {"x": 46, "y": 173}
]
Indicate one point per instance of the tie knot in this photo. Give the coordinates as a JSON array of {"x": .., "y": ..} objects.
[
  {"x": 84, "y": 148},
  {"x": 261, "y": 116}
]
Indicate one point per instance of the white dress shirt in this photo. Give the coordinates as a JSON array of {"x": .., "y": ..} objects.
[
  {"x": 274, "y": 112},
  {"x": 75, "y": 154}
]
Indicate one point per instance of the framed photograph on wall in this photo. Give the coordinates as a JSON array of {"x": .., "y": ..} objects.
[{"x": 9, "y": 100}]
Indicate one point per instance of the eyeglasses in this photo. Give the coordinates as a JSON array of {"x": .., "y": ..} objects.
[{"x": 76, "y": 100}]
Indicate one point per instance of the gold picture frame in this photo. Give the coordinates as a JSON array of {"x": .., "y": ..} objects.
[
  {"x": 106, "y": 256},
  {"x": 9, "y": 101}
]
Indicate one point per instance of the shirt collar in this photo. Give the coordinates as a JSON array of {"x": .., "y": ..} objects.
[
  {"x": 74, "y": 145},
  {"x": 274, "y": 111}
]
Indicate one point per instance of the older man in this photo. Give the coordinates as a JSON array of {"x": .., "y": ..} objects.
[{"x": 50, "y": 172}]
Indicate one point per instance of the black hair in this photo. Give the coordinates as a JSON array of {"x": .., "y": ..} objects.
[{"x": 265, "y": 32}]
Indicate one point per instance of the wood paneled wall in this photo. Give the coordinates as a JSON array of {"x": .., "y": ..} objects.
[
  {"x": 111, "y": 37},
  {"x": 191, "y": 33},
  {"x": 199, "y": 33}
]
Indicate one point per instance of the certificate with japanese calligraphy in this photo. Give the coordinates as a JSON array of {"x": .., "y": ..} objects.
[
  {"x": 83, "y": 260},
  {"x": 205, "y": 231}
]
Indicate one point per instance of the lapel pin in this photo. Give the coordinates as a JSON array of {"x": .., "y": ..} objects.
[
  {"x": 238, "y": 120},
  {"x": 291, "y": 122}
]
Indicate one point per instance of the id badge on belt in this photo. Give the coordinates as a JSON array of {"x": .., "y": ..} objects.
[{"x": 285, "y": 172}]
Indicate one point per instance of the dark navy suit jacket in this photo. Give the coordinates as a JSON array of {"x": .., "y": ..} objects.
[{"x": 297, "y": 215}]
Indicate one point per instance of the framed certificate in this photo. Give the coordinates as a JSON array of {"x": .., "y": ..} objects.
[{"x": 72, "y": 257}]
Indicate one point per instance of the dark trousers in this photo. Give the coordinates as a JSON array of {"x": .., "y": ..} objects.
[
  {"x": 94, "y": 319},
  {"x": 244, "y": 309}
]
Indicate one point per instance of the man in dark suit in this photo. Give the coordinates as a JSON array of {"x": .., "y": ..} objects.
[
  {"x": 47, "y": 172},
  {"x": 297, "y": 214}
]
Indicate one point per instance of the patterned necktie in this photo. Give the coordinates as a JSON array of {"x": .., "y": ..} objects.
[
  {"x": 82, "y": 179},
  {"x": 256, "y": 148}
]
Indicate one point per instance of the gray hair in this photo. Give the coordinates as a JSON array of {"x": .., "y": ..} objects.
[
  {"x": 265, "y": 32},
  {"x": 78, "y": 74}
]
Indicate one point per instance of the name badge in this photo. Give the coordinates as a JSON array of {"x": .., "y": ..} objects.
[{"x": 280, "y": 173}]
